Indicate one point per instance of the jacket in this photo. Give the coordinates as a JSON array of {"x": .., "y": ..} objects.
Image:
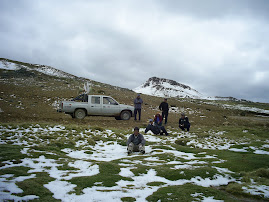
[
  {"x": 164, "y": 107},
  {"x": 138, "y": 103},
  {"x": 140, "y": 137},
  {"x": 156, "y": 119},
  {"x": 184, "y": 121},
  {"x": 154, "y": 129}
]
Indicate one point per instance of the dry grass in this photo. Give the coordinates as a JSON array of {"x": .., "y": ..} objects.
[{"x": 33, "y": 98}]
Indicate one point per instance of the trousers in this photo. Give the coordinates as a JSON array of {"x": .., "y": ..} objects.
[{"x": 136, "y": 148}]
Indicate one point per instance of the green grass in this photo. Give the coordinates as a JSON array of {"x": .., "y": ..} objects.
[
  {"x": 11, "y": 152},
  {"x": 128, "y": 199},
  {"x": 239, "y": 162},
  {"x": 185, "y": 192},
  {"x": 16, "y": 171},
  {"x": 35, "y": 186},
  {"x": 108, "y": 176},
  {"x": 177, "y": 174}
]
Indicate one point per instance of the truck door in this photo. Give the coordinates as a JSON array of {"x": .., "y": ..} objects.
[
  {"x": 110, "y": 106},
  {"x": 95, "y": 107}
]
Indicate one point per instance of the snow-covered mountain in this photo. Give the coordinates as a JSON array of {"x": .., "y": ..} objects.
[
  {"x": 167, "y": 88},
  {"x": 51, "y": 71}
]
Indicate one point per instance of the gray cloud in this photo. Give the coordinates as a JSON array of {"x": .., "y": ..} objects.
[{"x": 217, "y": 47}]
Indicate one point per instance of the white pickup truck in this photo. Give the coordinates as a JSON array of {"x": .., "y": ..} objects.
[{"x": 96, "y": 105}]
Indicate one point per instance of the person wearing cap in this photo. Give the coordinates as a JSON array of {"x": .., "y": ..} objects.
[
  {"x": 184, "y": 122},
  {"x": 136, "y": 142},
  {"x": 137, "y": 105},
  {"x": 165, "y": 109},
  {"x": 155, "y": 128}
]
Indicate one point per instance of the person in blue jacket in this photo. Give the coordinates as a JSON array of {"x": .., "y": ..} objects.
[{"x": 137, "y": 105}]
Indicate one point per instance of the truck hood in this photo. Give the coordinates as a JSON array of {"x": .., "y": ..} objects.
[{"x": 127, "y": 106}]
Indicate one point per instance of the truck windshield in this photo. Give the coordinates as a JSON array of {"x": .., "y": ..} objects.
[{"x": 109, "y": 101}]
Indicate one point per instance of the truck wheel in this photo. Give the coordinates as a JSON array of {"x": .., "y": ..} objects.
[
  {"x": 125, "y": 115},
  {"x": 117, "y": 118},
  {"x": 80, "y": 113}
]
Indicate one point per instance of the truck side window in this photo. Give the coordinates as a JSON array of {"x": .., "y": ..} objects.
[
  {"x": 105, "y": 100},
  {"x": 95, "y": 100},
  {"x": 109, "y": 101}
]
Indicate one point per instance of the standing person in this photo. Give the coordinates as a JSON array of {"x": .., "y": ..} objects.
[
  {"x": 137, "y": 105},
  {"x": 136, "y": 142},
  {"x": 155, "y": 128},
  {"x": 184, "y": 122},
  {"x": 164, "y": 108}
]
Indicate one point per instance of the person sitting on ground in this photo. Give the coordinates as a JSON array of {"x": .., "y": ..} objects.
[
  {"x": 184, "y": 122},
  {"x": 155, "y": 128},
  {"x": 158, "y": 120},
  {"x": 136, "y": 142}
]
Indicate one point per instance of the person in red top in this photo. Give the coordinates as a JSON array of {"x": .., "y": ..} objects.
[{"x": 158, "y": 119}]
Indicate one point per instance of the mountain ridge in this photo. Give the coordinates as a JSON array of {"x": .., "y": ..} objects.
[{"x": 162, "y": 87}]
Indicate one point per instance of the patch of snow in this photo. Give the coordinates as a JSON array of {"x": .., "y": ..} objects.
[
  {"x": 261, "y": 152},
  {"x": 9, "y": 187},
  {"x": 237, "y": 150},
  {"x": 200, "y": 197},
  {"x": 262, "y": 190},
  {"x": 164, "y": 88},
  {"x": 125, "y": 172},
  {"x": 8, "y": 65}
]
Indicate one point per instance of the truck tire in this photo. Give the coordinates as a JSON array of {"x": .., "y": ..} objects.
[
  {"x": 80, "y": 113},
  {"x": 125, "y": 115}
]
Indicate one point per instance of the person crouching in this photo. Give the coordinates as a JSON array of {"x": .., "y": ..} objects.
[
  {"x": 136, "y": 142},
  {"x": 184, "y": 122}
]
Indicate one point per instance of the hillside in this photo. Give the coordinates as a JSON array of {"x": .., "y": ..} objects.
[{"x": 49, "y": 156}]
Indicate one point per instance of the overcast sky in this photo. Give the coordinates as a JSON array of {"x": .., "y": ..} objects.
[{"x": 218, "y": 47}]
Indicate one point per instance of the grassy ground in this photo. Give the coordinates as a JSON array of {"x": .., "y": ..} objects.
[{"x": 39, "y": 146}]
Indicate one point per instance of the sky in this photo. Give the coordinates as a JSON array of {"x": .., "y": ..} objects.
[{"x": 218, "y": 47}]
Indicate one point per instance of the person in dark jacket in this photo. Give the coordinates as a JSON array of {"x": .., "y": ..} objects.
[
  {"x": 165, "y": 109},
  {"x": 184, "y": 122},
  {"x": 155, "y": 128},
  {"x": 158, "y": 120},
  {"x": 137, "y": 105},
  {"x": 136, "y": 142}
]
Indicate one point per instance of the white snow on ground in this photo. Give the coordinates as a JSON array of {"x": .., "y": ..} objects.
[
  {"x": 261, "y": 190},
  {"x": 84, "y": 165},
  {"x": 200, "y": 197},
  {"x": 241, "y": 107},
  {"x": 40, "y": 68},
  {"x": 9, "y": 187},
  {"x": 8, "y": 66},
  {"x": 168, "y": 91}
]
